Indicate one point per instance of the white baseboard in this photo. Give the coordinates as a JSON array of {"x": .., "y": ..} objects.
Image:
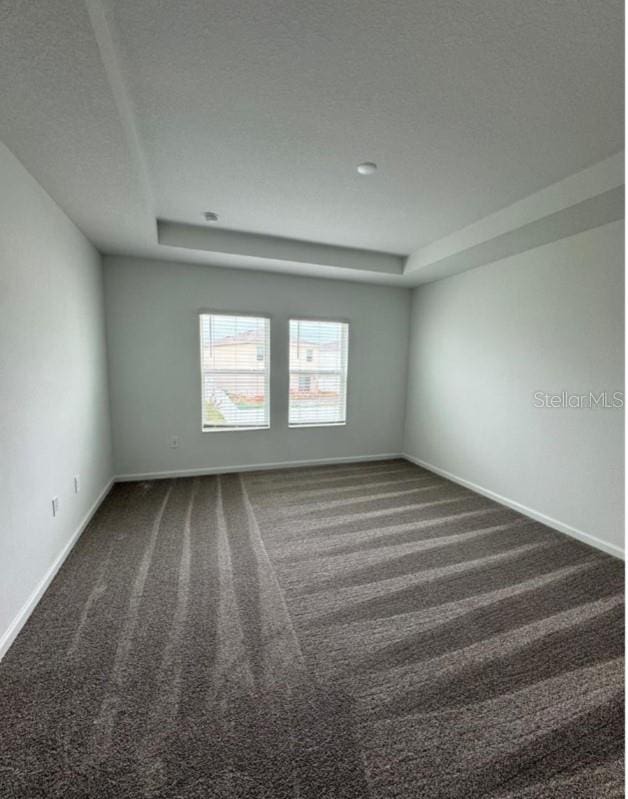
[
  {"x": 587, "y": 538},
  {"x": 21, "y": 618},
  {"x": 123, "y": 478}
]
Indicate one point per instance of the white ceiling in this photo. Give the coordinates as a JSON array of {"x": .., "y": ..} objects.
[{"x": 132, "y": 110}]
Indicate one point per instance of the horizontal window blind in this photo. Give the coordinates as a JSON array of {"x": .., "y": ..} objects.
[
  {"x": 318, "y": 373},
  {"x": 235, "y": 368}
]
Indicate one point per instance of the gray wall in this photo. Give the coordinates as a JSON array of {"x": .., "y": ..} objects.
[
  {"x": 483, "y": 342},
  {"x": 54, "y": 410},
  {"x": 152, "y": 329}
]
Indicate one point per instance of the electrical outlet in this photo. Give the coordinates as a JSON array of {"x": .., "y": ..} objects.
[
  {"x": 174, "y": 442},
  {"x": 55, "y": 506},
  {"x": 77, "y": 483}
]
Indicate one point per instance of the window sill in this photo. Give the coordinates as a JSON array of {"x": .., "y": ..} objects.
[
  {"x": 233, "y": 429},
  {"x": 317, "y": 424}
]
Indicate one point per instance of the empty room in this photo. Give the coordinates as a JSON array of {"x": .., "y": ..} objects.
[{"x": 312, "y": 399}]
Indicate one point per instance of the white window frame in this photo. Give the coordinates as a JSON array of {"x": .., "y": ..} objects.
[
  {"x": 266, "y": 361},
  {"x": 343, "y": 372}
]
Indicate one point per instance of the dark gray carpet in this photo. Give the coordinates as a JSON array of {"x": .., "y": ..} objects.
[{"x": 368, "y": 630}]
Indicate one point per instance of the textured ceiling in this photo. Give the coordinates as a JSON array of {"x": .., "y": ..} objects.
[{"x": 132, "y": 110}]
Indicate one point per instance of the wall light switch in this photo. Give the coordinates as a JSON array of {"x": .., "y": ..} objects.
[
  {"x": 77, "y": 483},
  {"x": 174, "y": 442},
  {"x": 55, "y": 506}
]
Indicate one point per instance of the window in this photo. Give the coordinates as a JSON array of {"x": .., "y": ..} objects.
[
  {"x": 318, "y": 373},
  {"x": 235, "y": 357}
]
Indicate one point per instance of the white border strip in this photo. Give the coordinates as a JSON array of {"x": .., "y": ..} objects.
[
  {"x": 23, "y": 614},
  {"x": 587, "y": 538},
  {"x": 125, "y": 478}
]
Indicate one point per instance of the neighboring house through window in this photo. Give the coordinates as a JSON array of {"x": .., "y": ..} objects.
[
  {"x": 318, "y": 373},
  {"x": 235, "y": 360}
]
